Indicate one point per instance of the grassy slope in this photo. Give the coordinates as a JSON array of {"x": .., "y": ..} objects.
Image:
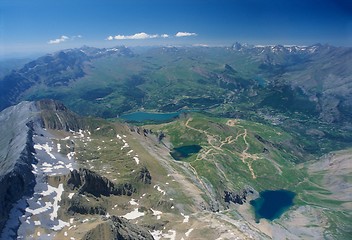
[
  {"x": 225, "y": 146},
  {"x": 223, "y": 169}
]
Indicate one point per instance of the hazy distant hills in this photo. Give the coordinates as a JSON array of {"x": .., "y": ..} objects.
[
  {"x": 314, "y": 80},
  {"x": 53, "y": 70}
]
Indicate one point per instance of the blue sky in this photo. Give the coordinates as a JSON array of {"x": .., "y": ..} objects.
[{"x": 48, "y": 25}]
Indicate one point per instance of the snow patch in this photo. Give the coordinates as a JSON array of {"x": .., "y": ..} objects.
[
  {"x": 136, "y": 159},
  {"x": 159, "y": 189},
  {"x": 171, "y": 235},
  {"x": 125, "y": 146},
  {"x": 35, "y": 169},
  {"x": 36, "y": 211},
  {"x": 46, "y": 148},
  {"x": 59, "y": 190},
  {"x": 156, "y": 213},
  {"x": 133, "y": 215},
  {"x": 186, "y": 218},
  {"x": 70, "y": 155},
  {"x": 188, "y": 232},
  {"x": 60, "y": 225},
  {"x": 133, "y": 202},
  {"x": 158, "y": 234}
]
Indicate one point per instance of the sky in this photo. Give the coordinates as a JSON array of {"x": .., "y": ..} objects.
[{"x": 40, "y": 26}]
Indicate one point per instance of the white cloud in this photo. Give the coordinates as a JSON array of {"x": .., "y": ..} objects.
[
  {"x": 200, "y": 45},
  {"x": 63, "y": 38},
  {"x": 138, "y": 36},
  {"x": 185, "y": 34},
  {"x": 141, "y": 35},
  {"x": 77, "y": 36}
]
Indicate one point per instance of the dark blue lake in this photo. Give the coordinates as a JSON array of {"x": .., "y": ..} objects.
[
  {"x": 185, "y": 151},
  {"x": 272, "y": 204},
  {"x": 147, "y": 116}
]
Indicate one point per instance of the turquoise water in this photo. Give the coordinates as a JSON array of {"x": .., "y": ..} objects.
[
  {"x": 147, "y": 116},
  {"x": 185, "y": 151},
  {"x": 272, "y": 204},
  {"x": 260, "y": 81}
]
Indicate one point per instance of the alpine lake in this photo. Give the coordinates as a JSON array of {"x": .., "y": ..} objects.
[
  {"x": 271, "y": 204},
  {"x": 182, "y": 152}
]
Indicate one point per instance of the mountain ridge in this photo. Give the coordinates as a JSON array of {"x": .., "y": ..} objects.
[{"x": 318, "y": 73}]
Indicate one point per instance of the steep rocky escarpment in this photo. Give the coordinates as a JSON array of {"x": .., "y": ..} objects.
[
  {"x": 54, "y": 115},
  {"x": 89, "y": 183},
  {"x": 237, "y": 197},
  {"x": 79, "y": 204},
  {"x": 86, "y": 181},
  {"x": 118, "y": 228},
  {"x": 16, "y": 177}
]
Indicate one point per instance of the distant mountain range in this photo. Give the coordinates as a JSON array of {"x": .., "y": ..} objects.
[{"x": 315, "y": 80}]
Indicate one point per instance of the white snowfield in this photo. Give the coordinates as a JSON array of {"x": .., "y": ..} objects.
[
  {"x": 42, "y": 209},
  {"x": 158, "y": 234},
  {"x": 134, "y": 214},
  {"x": 133, "y": 202},
  {"x": 45, "y": 147}
]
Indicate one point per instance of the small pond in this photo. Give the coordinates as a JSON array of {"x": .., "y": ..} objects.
[
  {"x": 182, "y": 152},
  {"x": 272, "y": 204}
]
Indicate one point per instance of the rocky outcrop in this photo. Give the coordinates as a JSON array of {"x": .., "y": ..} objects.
[
  {"x": 78, "y": 204},
  {"x": 54, "y": 115},
  {"x": 87, "y": 181},
  {"x": 118, "y": 228},
  {"x": 144, "y": 176},
  {"x": 237, "y": 197},
  {"x": 16, "y": 177}
]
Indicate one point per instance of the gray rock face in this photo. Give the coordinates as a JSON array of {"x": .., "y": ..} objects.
[
  {"x": 144, "y": 176},
  {"x": 54, "y": 115},
  {"x": 16, "y": 177},
  {"x": 118, "y": 228},
  {"x": 79, "y": 204},
  {"x": 87, "y": 181},
  {"x": 237, "y": 197}
]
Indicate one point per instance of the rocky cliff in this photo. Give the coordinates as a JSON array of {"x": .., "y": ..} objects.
[
  {"x": 87, "y": 181},
  {"x": 54, "y": 115},
  {"x": 16, "y": 158},
  {"x": 118, "y": 228}
]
